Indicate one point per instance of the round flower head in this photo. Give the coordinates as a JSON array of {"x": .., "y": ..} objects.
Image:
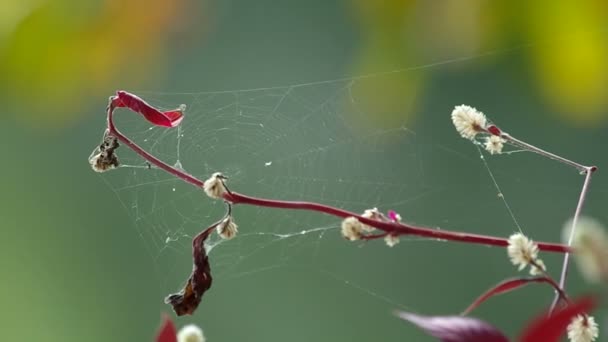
[
  {"x": 190, "y": 333},
  {"x": 352, "y": 229},
  {"x": 583, "y": 329},
  {"x": 468, "y": 121},
  {"x": 494, "y": 144},
  {"x": 214, "y": 186},
  {"x": 521, "y": 250}
]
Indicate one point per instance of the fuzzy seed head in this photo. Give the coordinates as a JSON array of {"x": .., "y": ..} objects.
[
  {"x": 352, "y": 229},
  {"x": 590, "y": 242},
  {"x": 468, "y": 121},
  {"x": 583, "y": 329},
  {"x": 227, "y": 229},
  {"x": 190, "y": 333},
  {"x": 373, "y": 214},
  {"x": 391, "y": 240},
  {"x": 214, "y": 186},
  {"x": 521, "y": 250},
  {"x": 494, "y": 144}
]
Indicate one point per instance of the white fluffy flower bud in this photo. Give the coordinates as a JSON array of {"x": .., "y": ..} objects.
[
  {"x": 227, "y": 229},
  {"x": 521, "y": 250},
  {"x": 494, "y": 144},
  {"x": 583, "y": 329},
  {"x": 214, "y": 186},
  {"x": 468, "y": 121},
  {"x": 352, "y": 229}
]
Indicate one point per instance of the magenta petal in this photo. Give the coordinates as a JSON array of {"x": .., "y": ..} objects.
[
  {"x": 167, "y": 331},
  {"x": 154, "y": 116},
  {"x": 455, "y": 328}
]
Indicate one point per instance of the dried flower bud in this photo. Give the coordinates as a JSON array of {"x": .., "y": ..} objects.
[
  {"x": 352, "y": 229},
  {"x": 391, "y": 240},
  {"x": 103, "y": 162},
  {"x": 214, "y": 186},
  {"x": 190, "y": 333},
  {"x": 227, "y": 229},
  {"x": 521, "y": 250},
  {"x": 468, "y": 121},
  {"x": 591, "y": 245},
  {"x": 494, "y": 144},
  {"x": 583, "y": 328},
  {"x": 372, "y": 214},
  {"x": 104, "y": 157}
]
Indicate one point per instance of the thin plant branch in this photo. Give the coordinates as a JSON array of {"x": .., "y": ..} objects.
[{"x": 395, "y": 228}]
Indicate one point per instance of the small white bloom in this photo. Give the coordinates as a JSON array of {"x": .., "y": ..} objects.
[
  {"x": 583, "y": 329},
  {"x": 214, "y": 186},
  {"x": 494, "y": 144},
  {"x": 352, "y": 229},
  {"x": 468, "y": 121},
  {"x": 591, "y": 245},
  {"x": 190, "y": 333},
  {"x": 227, "y": 229},
  {"x": 373, "y": 214},
  {"x": 521, "y": 250},
  {"x": 391, "y": 240},
  {"x": 540, "y": 270}
]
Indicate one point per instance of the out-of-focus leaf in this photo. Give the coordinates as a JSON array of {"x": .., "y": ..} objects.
[
  {"x": 167, "y": 331},
  {"x": 455, "y": 328}
]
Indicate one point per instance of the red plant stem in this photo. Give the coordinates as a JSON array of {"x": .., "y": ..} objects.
[
  {"x": 577, "y": 213},
  {"x": 147, "y": 156},
  {"x": 396, "y": 228}
]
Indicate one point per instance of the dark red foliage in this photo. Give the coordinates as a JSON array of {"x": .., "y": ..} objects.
[
  {"x": 167, "y": 331},
  {"x": 455, "y": 328},
  {"x": 170, "y": 118},
  {"x": 503, "y": 287},
  {"x": 187, "y": 300}
]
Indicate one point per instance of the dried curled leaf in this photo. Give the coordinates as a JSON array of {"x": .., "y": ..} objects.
[{"x": 188, "y": 299}]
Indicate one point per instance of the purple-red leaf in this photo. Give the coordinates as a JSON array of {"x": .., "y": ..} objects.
[
  {"x": 167, "y": 331},
  {"x": 549, "y": 328},
  {"x": 455, "y": 328},
  {"x": 504, "y": 286},
  {"x": 170, "y": 118}
]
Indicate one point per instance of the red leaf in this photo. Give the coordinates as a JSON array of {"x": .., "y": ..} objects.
[
  {"x": 455, "y": 328},
  {"x": 549, "y": 328},
  {"x": 167, "y": 331},
  {"x": 170, "y": 118},
  {"x": 503, "y": 287}
]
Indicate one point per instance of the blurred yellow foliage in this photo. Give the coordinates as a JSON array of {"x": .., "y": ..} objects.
[
  {"x": 58, "y": 53},
  {"x": 566, "y": 43}
]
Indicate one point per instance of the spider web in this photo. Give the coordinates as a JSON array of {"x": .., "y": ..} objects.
[{"x": 309, "y": 142}]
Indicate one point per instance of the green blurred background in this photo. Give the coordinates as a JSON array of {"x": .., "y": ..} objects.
[{"x": 80, "y": 263}]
